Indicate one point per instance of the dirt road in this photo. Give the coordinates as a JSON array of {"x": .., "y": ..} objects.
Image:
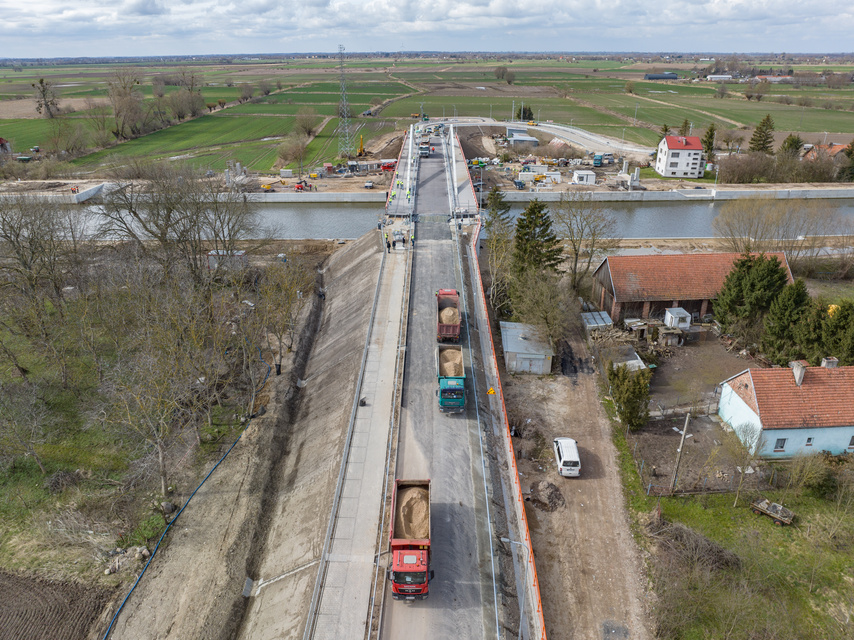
[{"x": 591, "y": 579}]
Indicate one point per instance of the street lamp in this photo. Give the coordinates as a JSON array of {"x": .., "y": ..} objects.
[
  {"x": 539, "y": 110},
  {"x": 623, "y": 139},
  {"x": 455, "y": 112},
  {"x": 490, "y": 112},
  {"x": 636, "y": 114},
  {"x": 524, "y": 584}
]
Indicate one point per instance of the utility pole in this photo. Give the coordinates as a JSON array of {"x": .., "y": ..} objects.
[
  {"x": 345, "y": 137},
  {"x": 679, "y": 453}
]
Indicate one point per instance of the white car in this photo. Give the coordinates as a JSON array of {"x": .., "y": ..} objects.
[{"x": 566, "y": 456}]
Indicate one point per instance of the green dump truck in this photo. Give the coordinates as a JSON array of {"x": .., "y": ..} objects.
[{"x": 451, "y": 375}]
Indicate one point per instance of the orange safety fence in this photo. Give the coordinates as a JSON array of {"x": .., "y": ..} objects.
[{"x": 518, "y": 498}]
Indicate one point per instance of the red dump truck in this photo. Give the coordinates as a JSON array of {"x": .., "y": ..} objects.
[
  {"x": 410, "y": 572},
  {"x": 447, "y": 315}
]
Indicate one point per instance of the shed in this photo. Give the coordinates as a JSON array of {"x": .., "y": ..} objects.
[
  {"x": 517, "y": 139},
  {"x": 328, "y": 168},
  {"x": 224, "y": 259},
  {"x": 677, "y": 318},
  {"x": 524, "y": 350},
  {"x": 583, "y": 176},
  {"x": 595, "y": 320}
]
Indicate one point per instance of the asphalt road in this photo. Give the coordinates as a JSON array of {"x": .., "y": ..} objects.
[{"x": 442, "y": 447}]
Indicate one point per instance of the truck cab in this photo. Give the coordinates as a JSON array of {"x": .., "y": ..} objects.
[{"x": 452, "y": 395}]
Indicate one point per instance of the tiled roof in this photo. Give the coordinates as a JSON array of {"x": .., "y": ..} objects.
[
  {"x": 824, "y": 399},
  {"x": 742, "y": 385},
  {"x": 828, "y": 150},
  {"x": 681, "y": 276},
  {"x": 677, "y": 143}
]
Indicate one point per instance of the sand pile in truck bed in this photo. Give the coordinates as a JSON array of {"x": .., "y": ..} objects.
[
  {"x": 451, "y": 362},
  {"x": 412, "y": 514},
  {"x": 449, "y": 315}
]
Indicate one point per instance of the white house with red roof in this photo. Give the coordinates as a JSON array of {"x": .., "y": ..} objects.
[
  {"x": 680, "y": 157},
  {"x": 785, "y": 412}
]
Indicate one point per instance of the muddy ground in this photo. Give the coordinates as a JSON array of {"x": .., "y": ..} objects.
[{"x": 592, "y": 582}]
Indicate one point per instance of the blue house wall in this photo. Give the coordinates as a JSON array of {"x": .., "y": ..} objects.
[{"x": 736, "y": 413}]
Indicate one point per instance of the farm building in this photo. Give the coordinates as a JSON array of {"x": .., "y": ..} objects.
[
  {"x": 644, "y": 286},
  {"x": 524, "y": 350},
  {"x": 834, "y": 150},
  {"x": 680, "y": 157},
  {"x": 669, "y": 75},
  {"x": 785, "y": 412}
]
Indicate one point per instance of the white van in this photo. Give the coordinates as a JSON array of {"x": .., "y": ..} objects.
[{"x": 566, "y": 456}]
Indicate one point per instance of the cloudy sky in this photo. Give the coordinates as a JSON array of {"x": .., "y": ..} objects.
[{"x": 55, "y": 28}]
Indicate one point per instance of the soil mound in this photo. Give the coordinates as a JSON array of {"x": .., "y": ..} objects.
[
  {"x": 449, "y": 316},
  {"x": 546, "y": 496},
  {"x": 451, "y": 362},
  {"x": 412, "y": 514}
]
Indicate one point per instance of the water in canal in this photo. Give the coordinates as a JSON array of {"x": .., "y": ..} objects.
[{"x": 634, "y": 220}]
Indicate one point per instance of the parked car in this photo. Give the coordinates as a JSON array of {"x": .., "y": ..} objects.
[{"x": 567, "y": 458}]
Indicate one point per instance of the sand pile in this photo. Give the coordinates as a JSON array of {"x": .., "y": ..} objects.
[
  {"x": 412, "y": 514},
  {"x": 451, "y": 362},
  {"x": 449, "y": 315}
]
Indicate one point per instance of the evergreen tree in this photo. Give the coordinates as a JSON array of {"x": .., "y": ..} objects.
[
  {"x": 748, "y": 291},
  {"x": 665, "y": 130},
  {"x": 630, "y": 391},
  {"x": 535, "y": 246},
  {"x": 791, "y": 146},
  {"x": 685, "y": 128},
  {"x": 837, "y": 333},
  {"x": 524, "y": 113},
  {"x": 709, "y": 142},
  {"x": 809, "y": 331},
  {"x": 762, "y": 139},
  {"x": 779, "y": 341}
]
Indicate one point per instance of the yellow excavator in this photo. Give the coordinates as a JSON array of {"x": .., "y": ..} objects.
[{"x": 361, "y": 152}]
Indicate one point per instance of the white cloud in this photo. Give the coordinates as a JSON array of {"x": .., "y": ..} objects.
[{"x": 151, "y": 27}]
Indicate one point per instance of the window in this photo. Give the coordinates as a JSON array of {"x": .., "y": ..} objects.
[
  {"x": 780, "y": 445},
  {"x": 675, "y": 154},
  {"x": 674, "y": 164},
  {"x": 851, "y": 444},
  {"x": 809, "y": 442}
]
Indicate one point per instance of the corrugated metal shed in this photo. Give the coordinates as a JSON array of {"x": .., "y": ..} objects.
[
  {"x": 594, "y": 320},
  {"x": 524, "y": 350}
]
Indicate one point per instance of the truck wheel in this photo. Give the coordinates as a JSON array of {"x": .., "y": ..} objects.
[
  {"x": 757, "y": 512},
  {"x": 779, "y": 523}
]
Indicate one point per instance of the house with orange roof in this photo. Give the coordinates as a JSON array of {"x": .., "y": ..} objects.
[
  {"x": 644, "y": 286},
  {"x": 785, "y": 412},
  {"x": 833, "y": 151}
]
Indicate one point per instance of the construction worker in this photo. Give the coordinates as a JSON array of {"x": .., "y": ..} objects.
[{"x": 412, "y": 239}]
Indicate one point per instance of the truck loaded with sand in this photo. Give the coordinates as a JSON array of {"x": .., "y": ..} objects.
[
  {"x": 451, "y": 375},
  {"x": 448, "y": 315},
  {"x": 410, "y": 572}
]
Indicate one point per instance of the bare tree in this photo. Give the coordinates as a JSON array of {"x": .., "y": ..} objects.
[
  {"x": 305, "y": 122},
  {"x": 544, "y": 300},
  {"x": 23, "y": 420},
  {"x": 769, "y": 224},
  {"x": 499, "y": 231},
  {"x": 246, "y": 92},
  {"x": 126, "y": 100},
  {"x": 588, "y": 231},
  {"x": 293, "y": 149},
  {"x": 46, "y": 97},
  {"x": 173, "y": 215},
  {"x": 743, "y": 444},
  {"x": 99, "y": 121},
  {"x": 283, "y": 294},
  {"x": 264, "y": 87}
]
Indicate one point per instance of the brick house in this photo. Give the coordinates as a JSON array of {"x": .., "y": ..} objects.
[
  {"x": 680, "y": 157},
  {"x": 785, "y": 412},
  {"x": 644, "y": 286},
  {"x": 834, "y": 151}
]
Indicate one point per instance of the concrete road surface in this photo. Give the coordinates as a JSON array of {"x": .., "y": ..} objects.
[{"x": 442, "y": 447}]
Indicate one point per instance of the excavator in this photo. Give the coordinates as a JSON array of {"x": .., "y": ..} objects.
[{"x": 361, "y": 152}]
